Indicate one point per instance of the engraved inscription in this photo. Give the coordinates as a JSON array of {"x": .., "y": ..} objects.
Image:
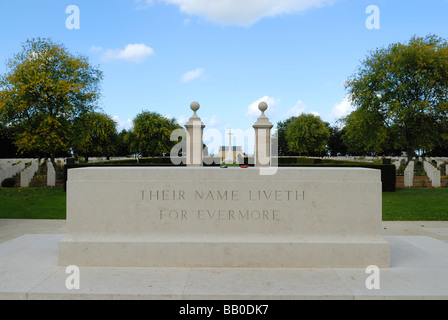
[{"x": 256, "y": 198}]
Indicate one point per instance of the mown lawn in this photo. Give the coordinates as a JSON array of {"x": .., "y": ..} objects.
[
  {"x": 404, "y": 205},
  {"x": 416, "y": 204},
  {"x": 32, "y": 203}
]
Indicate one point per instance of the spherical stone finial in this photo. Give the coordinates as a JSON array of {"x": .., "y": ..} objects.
[
  {"x": 263, "y": 106},
  {"x": 194, "y": 106}
]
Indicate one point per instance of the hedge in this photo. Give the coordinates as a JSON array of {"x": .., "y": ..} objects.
[{"x": 388, "y": 172}]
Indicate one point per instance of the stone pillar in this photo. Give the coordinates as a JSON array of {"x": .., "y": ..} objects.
[
  {"x": 195, "y": 128},
  {"x": 263, "y": 138}
]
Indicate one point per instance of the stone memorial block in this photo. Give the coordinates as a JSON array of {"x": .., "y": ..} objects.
[{"x": 212, "y": 217}]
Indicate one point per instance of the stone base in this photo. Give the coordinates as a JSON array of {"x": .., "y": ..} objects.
[
  {"x": 29, "y": 270},
  {"x": 239, "y": 254},
  {"x": 212, "y": 217}
]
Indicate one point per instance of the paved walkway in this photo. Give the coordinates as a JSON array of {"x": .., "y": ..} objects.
[
  {"x": 29, "y": 270},
  {"x": 10, "y": 228}
]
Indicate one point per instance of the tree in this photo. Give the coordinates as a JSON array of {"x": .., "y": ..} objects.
[
  {"x": 401, "y": 96},
  {"x": 44, "y": 91},
  {"x": 336, "y": 145},
  {"x": 283, "y": 148},
  {"x": 308, "y": 135},
  {"x": 151, "y": 134},
  {"x": 96, "y": 135},
  {"x": 122, "y": 148},
  {"x": 7, "y": 147}
]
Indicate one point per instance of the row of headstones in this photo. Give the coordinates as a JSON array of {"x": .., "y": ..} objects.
[
  {"x": 10, "y": 167},
  {"x": 438, "y": 160},
  {"x": 354, "y": 158},
  {"x": 103, "y": 159},
  {"x": 27, "y": 174},
  {"x": 398, "y": 161},
  {"x": 432, "y": 172}
]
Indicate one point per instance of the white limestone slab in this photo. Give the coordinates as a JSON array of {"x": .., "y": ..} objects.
[
  {"x": 212, "y": 217},
  {"x": 25, "y": 262},
  {"x": 252, "y": 284},
  {"x": 29, "y": 270}
]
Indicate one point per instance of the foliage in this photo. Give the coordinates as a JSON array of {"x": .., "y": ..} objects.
[
  {"x": 283, "y": 148},
  {"x": 151, "y": 134},
  {"x": 401, "y": 95},
  {"x": 7, "y": 147},
  {"x": 96, "y": 135},
  {"x": 122, "y": 147},
  {"x": 307, "y": 135},
  {"x": 44, "y": 91},
  {"x": 388, "y": 171},
  {"x": 336, "y": 145}
]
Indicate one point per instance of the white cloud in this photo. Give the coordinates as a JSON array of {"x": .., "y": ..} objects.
[
  {"x": 211, "y": 122},
  {"x": 192, "y": 75},
  {"x": 253, "y": 112},
  {"x": 143, "y": 4},
  {"x": 242, "y": 12},
  {"x": 122, "y": 124},
  {"x": 132, "y": 52},
  {"x": 295, "y": 111},
  {"x": 95, "y": 49},
  {"x": 182, "y": 120},
  {"x": 342, "y": 109}
]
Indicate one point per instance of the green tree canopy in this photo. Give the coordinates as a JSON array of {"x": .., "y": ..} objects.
[
  {"x": 151, "y": 134},
  {"x": 283, "y": 147},
  {"x": 122, "y": 148},
  {"x": 401, "y": 97},
  {"x": 96, "y": 135},
  {"x": 45, "y": 89},
  {"x": 336, "y": 145},
  {"x": 307, "y": 134},
  {"x": 7, "y": 147}
]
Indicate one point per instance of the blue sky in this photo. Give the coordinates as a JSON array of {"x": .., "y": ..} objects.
[{"x": 160, "y": 55}]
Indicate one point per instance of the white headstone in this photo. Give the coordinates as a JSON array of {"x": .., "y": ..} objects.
[
  {"x": 51, "y": 175},
  {"x": 409, "y": 175}
]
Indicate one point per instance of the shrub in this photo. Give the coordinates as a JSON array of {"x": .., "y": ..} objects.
[
  {"x": 388, "y": 172},
  {"x": 9, "y": 183}
]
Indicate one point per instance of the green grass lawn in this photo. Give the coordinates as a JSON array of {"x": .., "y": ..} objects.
[
  {"x": 404, "y": 205},
  {"x": 32, "y": 203},
  {"x": 416, "y": 204}
]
